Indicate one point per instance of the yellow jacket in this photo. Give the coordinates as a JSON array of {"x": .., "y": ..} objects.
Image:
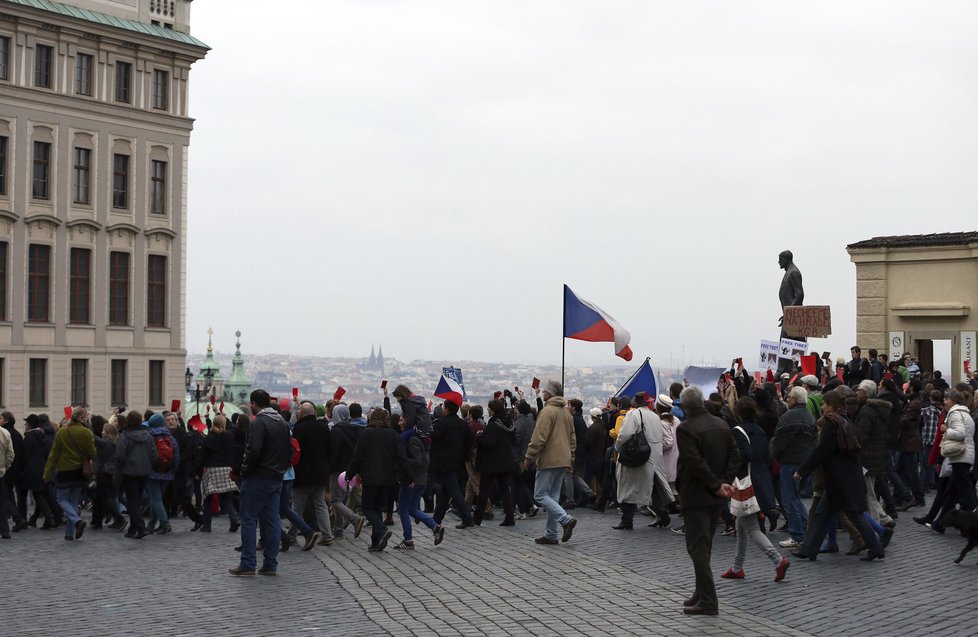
[{"x": 72, "y": 445}]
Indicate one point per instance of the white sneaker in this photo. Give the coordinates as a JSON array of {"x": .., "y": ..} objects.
[
  {"x": 522, "y": 516},
  {"x": 789, "y": 543}
]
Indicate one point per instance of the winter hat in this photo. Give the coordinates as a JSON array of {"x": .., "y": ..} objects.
[
  {"x": 810, "y": 380},
  {"x": 663, "y": 401},
  {"x": 156, "y": 420},
  {"x": 595, "y": 413}
]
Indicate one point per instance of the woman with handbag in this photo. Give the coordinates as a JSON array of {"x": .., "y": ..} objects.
[
  {"x": 72, "y": 455},
  {"x": 958, "y": 449},
  {"x": 754, "y": 476},
  {"x": 639, "y": 448}
]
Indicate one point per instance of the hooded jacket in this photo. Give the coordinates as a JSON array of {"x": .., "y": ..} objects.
[
  {"x": 417, "y": 455},
  {"x": 872, "y": 424},
  {"x": 496, "y": 447},
  {"x": 135, "y": 453},
  {"x": 416, "y": 414},
  {"x": 268, "y": 452},
  {"x": 344, "y": 434},
  {"x": 164, "y": 431},
  {"x": 795, "y": 436},
  {"x": 554, "y": 442}
]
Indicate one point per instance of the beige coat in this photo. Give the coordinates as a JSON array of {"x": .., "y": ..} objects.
[
  {"x": 6, "y": 451},
  {"x": 553, "y": 443}
]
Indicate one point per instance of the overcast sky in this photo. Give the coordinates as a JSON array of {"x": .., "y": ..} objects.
[{"x": 427, "y": 175}]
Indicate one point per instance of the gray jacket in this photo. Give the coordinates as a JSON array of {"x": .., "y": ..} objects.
[
  {"x": 135, "y": 453},
  {"x": 795, "y": 436}
]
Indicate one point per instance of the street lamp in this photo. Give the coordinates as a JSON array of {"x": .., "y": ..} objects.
[
  {"x": 188, "y": 378},
  {"x": 197, "y": 397}
]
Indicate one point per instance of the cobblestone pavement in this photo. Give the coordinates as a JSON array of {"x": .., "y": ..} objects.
[{"x": 484, "y": 581}]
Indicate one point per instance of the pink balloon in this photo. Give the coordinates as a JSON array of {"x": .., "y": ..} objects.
[{"x": 341, "y": 480}]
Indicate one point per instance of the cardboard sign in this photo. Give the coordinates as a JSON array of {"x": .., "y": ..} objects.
[{"x": 808, "y": 321}]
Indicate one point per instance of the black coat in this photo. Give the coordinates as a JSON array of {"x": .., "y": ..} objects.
[
  {"x": 896, "y": 415},
  {"x": 37, "y": 446},
  {"x": 871, "y": 422},
  {"x": 189, "y": 452},
  {"x": 845, "y": 489},
  {"x": 219, "y": 449},
  {"x": 315, "y": 450},
  {"x": 451, "y": 442},
  {"x": 343, "y": 440},
  {"x": 708, "y": 458},
  {"x": 755, "y": 453},
  {"x": 580, "y": 434},
  {"x": 795, "y": 436},
  {"x": 379, "y": 452},
  {"x": 497, "y": 448}
]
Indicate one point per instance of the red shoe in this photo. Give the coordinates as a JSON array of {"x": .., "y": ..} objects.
[
  {"x": 732, "y": 574},
  {"x": 781, "y": 569}
]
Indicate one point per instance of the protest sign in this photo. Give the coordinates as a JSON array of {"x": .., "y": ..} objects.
[
  {"x": 790, "y": 348},
  {"x": 769, "y": 355},
  {"x": 808, "y": 321},
  {"x": 706, "y": 378}
]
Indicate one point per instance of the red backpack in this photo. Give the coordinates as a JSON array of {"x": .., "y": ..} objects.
[
  {"x": 296, "y": 452},
  {"x": 164, "y": 453}
]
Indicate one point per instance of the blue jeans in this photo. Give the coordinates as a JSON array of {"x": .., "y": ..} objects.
[
  {"x": 791, "y": 502},
  {"x": 909, "y": 470},
  {"x": 69, "y": 499},
  {"x": 157, "y": 510},
  {"x": 260, "y": 506},
  {"x": 547, "y": 493},
  {"x": 408, "y": 501},
  {"x": 928, "y": 476}
]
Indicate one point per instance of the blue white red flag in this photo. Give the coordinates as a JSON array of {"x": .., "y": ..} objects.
[
  {"x": 585, "y": 321},
  {"x": 448, "y": 389},
  {"x": 642, "y": 380}
]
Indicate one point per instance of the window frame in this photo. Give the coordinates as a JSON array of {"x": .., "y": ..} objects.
[
  {"x": 84, "y": 73},
  {"x": 4, "y": 146},
  {"x": 118, "y": 380},
  {"x": 120, "y": 180},
  {"x": 123, "y": 82},
  {"x": 38, "y": 282},
  {"x": 81, "y": 176},
  {"x": 156, "y": 265},
  {"x": 37, "y": 393},
  {"x": 41, "y": 185},
  {"x": 157, "y": 191},
  {"x": 43, "y": 65},
  {"x": 4, "y": 270},
  {"x": 161, "y": 90},
  {"x": 119, "y": 288},
  {"x": 4, "y": 58},
  {"x": 80, "y": 287},
  {"x": 78, "y": 383},
  {"x": 157, "y": 382}
]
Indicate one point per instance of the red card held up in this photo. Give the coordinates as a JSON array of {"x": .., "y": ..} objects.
[
  {"x": 68, "y": 411},
  {"x": 536, "y": 383},
  {"x": 383, "y": 384},
  {"x": 808, "y": 365},
  {"x": 295, "y": 392},
  {"x": 174, "y": 406},
  {"x": 757, "y": 376},
  {"x": 496, "y": 395},
  {"x": 338, "y": 394}
]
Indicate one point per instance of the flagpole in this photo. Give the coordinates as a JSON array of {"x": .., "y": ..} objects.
[
  {"x": 634, "y": 374},
  {"x": 563, "y": 340}
]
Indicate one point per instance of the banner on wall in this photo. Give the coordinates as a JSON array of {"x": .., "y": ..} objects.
[{"x": 967, "y": 355}]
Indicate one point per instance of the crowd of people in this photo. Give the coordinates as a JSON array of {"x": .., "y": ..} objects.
[{"x": 865, "y": 443}]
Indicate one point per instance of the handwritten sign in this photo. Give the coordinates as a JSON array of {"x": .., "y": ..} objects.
[{"x": 808, "y": 321}]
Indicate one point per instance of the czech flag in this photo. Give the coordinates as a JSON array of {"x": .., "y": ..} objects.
[
  {"x": 585, "y": 321},
  {"x": 643, "y": 380},
  {"x": 448, "y": 389}
]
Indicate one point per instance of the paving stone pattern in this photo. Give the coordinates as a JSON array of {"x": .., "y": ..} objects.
[{"x": 484, "y": 581}]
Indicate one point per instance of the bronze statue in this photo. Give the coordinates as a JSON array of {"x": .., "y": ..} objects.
[{"x": 791, "y": 293}]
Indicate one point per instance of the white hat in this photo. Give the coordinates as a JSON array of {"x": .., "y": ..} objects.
[
  {"x": 595, "y": 412},
  {"x": 662, "y": 400},
  {"x": 810, "y": 380}
]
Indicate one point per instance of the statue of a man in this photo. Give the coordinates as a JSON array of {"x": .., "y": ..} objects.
[{"x": 792, "y": 292}]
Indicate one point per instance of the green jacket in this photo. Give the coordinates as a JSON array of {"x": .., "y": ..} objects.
[{"x": 71, "y": 446}]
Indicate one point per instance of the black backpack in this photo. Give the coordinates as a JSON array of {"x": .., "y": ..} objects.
[{"x": 636, "y": 450}]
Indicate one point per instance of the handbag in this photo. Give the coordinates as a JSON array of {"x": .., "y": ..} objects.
[
  {"x": 952, "y": 448},
  {"x": 743, "y": 502},
  {"x": 636, "y": 451}
]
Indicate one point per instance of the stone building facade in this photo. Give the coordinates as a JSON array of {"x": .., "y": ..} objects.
[
  {"x": 912, "y": 290},
  {"x": 94, "y": 133}
]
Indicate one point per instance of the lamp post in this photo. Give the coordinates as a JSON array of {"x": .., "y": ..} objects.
[
  {"x": 197, "y": 397},
  {"x": 188, "y": 378}
]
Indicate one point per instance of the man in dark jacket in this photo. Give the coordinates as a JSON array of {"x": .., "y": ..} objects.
[
  {"x": 794, "y": 438},
  {"x": 858, "y": 369},
  {"x": 415, "y": 410},
  {"x": 909, "y": 446},
  {"x": 708, "y": 461},
  {"x": 267, "y": 456},
  {"x": 313, "y": 471},
  {"x": 451, "y": 443},
  {"x": 870, "y": 419}
]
